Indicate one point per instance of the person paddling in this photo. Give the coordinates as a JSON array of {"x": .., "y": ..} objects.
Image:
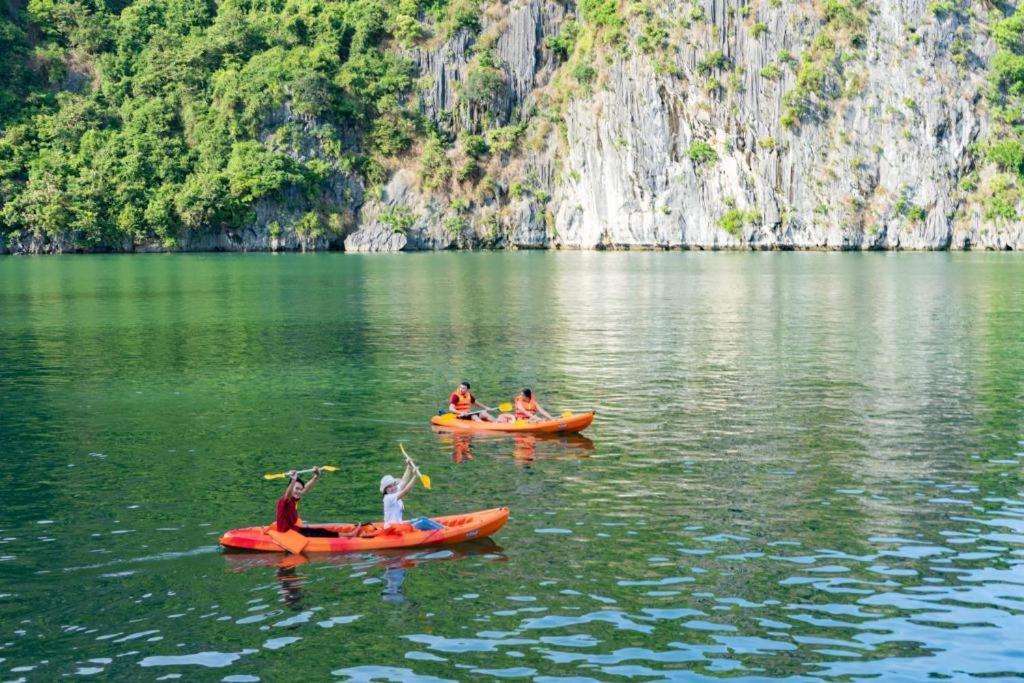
[
  {"x": 461, "y": 403},
  {"x": 392, "y": 492},
  {"x": 288, "y": 506},
  {"x": 527, "y": 408}
]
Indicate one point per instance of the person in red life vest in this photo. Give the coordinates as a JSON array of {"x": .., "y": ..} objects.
[
  {"x": 527, "y": 408},
  {"x": 461, "y": 403},
  {"x": 288, "y": 506}
]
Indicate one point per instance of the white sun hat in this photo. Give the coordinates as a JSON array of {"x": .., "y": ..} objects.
[{"x": 386, "y": 481}]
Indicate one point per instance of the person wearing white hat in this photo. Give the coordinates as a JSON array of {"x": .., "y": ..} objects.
[{"x": 393, "y": 491}]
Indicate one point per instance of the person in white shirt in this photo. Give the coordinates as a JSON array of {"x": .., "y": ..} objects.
[{"x": 393, "y": 491}]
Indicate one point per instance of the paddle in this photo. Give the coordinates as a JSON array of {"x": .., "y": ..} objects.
[
  {"x": 282, "y": 475},
  {"x": 451, "y": 417},
  {"x": 424, "y": 479},
  {"x": 566, "y": 414}
]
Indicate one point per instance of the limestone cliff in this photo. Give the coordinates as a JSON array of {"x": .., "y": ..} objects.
[
  {"x": 706, "y": 124},
  {"x": 764, "y": 125}
]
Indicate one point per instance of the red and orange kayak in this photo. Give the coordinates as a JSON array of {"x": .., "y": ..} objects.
[
  {"x": 564, "y": 425},
  {"x": 368, "y": 537}
]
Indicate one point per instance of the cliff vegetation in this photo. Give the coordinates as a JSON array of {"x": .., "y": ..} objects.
[{"x": 430, "y": 124}]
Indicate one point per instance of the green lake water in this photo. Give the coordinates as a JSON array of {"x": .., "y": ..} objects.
[{"x": 804, "y": 466}]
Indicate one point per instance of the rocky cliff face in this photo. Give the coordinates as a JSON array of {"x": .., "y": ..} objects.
[
  {"x": 903, "y": 131},
  {"x": 772, "y": 124},
  {"x": 688, "y": 144}
]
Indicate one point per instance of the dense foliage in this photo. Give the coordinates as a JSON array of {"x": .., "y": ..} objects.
[
  {"x": 123, "y": 119},
  {"x": 1006, "y": 147}
]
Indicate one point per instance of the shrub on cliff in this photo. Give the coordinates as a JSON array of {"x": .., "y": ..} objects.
[
  {"x": 701, "y": 153},
  {"x": 601, "y": 12}
]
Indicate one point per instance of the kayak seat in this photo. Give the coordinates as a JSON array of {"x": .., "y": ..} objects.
[
  {"x": 367, "y": 530},
  {"x": 426, "y": 524}
]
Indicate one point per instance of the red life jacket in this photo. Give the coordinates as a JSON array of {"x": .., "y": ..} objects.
[
  {"x": 463, "y": 402},
  {"x": 525, "y": 409}
]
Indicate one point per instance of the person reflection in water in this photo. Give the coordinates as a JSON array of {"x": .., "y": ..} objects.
[
  {"x": 525, "y": 450},
  {"x": 394, "y": 584},
  {"x": 462, "y": 448},
  {"x": 291, "y": 587}
]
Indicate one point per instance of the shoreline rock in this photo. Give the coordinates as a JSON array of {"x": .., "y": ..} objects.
[{"x": 380, "y": 239}]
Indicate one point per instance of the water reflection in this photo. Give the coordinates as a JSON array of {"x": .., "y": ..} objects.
[
  {"x": 393, "y": 566},
  {"x": 394, "y": 584},
  {"x": 291, "y": 586},
  {"x": 461, "y": 445},
  {"x": 525, "y": 448},
  {"x": 806, "y": 466}
]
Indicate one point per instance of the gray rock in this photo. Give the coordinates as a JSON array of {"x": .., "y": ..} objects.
[
  {"x": 528, "y": 229},
  {"x": 377, "y": 238},
  {"x": 422, "y": 211},
  {"x": 441, "y": 70}
]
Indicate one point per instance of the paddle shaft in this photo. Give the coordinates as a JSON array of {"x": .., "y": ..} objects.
[
  {"x": 284, "y": 475},
  {"x": 472, "y": 412},
  {"x": 425, "y": 480},
  {"x": 413, "y": 466},
  {"x": 409, "y": 460},
  {"x": 502, "y": 408}
]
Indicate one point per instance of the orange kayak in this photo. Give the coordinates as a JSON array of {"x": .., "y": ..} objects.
[
  {"x": 563, "y": 425},
  {"x": 455, "y": 529}
]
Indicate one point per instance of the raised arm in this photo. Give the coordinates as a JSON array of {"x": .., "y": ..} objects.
[
  {"x": 314, "y": 479},
  {"x": 292, "y": 476},
  {"x": 407, "y": 476},
  {"x": 406, "y": 488},
  {"x": 408, "y": 479}
]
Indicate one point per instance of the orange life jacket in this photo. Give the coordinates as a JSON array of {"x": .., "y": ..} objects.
[
  {"x": 464, "y": 402},
  {"x": 525, "y": 409}
]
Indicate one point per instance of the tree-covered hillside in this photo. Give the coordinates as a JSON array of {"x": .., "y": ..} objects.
[
  {"x": 426, "y": 124},
  {"x": 123, "y": 120}
]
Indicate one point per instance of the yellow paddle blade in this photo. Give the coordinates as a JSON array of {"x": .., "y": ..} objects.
[
  {"x": 329, "y": 468},
  {"x": 447, "y": 417},
  {"x": 424, "y": 479},
  {"x": 520, "y": 423},
  {"x": 505, "y": 407},
  {"x": 279, "y": 475},
  {"x": 566, "y": 413}
]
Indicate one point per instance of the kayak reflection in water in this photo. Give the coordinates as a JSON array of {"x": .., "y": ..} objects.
[{"x": 288, "y": 507}]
